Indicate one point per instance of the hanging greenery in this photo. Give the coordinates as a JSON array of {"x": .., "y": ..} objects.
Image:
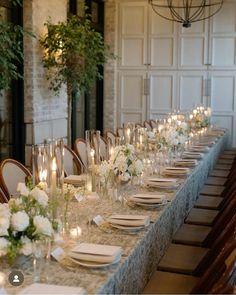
[
  {"x": 11, "y": 37},
  {"x": 11, "y": 53},
  {"x": 73, "y": 52}
]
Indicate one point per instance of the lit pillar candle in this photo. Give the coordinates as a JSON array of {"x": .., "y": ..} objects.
[
  {"x": 92, "y": 154},
  {"x": 194, "y": 112},
  {"x": 128, "y": 135},
  {"x": 76, "y": 232},
  {"x": 191, "y": 116},
  {"x": 54, "y": 176},
  {"x": 111, "y": 151},
  {"x": 54, "y": 186}
]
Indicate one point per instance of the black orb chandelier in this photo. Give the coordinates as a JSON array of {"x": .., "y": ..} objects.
[{"x": 186, "y": 11}]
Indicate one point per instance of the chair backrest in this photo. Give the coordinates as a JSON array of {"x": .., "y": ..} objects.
[
  {"x": 11, "y": 173},
  {"x": 227, "y": 282},
  {"x": 227, "y": 235},
  {"x": 121, "y": 132},
  {"x": 103, "y": 149},
  {"x": 153, "y": 124},
  {"x": 223, "y": 219},
  {"x": 147, "y": 125},
  {"x": 216, "y": 271},
  {"x": 80, "y": 148},
  {"x": 72, "y": 164},
  {"x": 111, "y": 136},
  {"x": 3, "y": 197}
]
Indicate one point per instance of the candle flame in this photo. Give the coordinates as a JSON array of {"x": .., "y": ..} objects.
[
  {"x": 54, "y": 164},
  {"x": 92, "y": 152}
]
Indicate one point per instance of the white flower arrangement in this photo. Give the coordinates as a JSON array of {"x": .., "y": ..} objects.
[
  {"x": 123, "y": 163},
  {"x": 24, "y": 220},
  {"x": 174, "y": 135},
  {"x": 200, "y": 118}
]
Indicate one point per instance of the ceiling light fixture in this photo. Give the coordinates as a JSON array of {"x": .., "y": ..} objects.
[{"x": 186, "y": 11}]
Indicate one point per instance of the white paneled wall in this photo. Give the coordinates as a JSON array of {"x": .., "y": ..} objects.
[{"x": 163, "y": 66}]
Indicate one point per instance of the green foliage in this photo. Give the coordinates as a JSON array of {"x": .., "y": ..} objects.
[
  {"x": 11, "y": 52},
  {"x": 73, "y": 53}
]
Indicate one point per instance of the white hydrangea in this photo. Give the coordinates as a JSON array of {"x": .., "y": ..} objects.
[
  {"x": 22, "y": 189},
  {"x": 40, "y": 196},
  {"x": 42, "y": 225},
  {"x": 150, "y": 134},
  {"x": 42, "y": 185},
  {"x": 19, "y": 221},
  {"x": 27, "y": 247},
  {"x": 4, "y": 219},
  {"x": 3, "y": 246},
  {"x": 125, "y": 176}
]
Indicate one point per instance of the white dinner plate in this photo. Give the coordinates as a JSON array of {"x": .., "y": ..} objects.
[
  {"x": 91, "y": 264},
  {"x": 145, "y": 205}
]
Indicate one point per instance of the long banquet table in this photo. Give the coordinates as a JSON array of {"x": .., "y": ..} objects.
[{"x": 142, "y": 250}]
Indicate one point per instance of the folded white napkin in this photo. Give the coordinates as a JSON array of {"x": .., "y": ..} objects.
[
  {"x": 96, "y": 253},
  {"x": 176, "y": 171},
  {"x": 192, "y": 155},
  {"x": 75, "y": 179},
  {"x": 196, "y": 148},
  {"x": 148, "y": 198},
  {"x": 51, "y": 289},
  {"x": 206, "y": 143},
  {"x": 163, "y": 183},
  {"x": 129, "y": 220},
  {"x": 186, "y": 162}
]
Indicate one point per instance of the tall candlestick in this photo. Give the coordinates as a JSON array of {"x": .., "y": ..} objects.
[
  {"x": 54, "y": 186},
  {"x": 92, "y": 153}
]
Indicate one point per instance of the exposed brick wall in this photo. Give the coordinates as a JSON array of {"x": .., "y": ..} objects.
[
  {"x": 110, "y": 104},
  {"x": 45, "y": 113}
]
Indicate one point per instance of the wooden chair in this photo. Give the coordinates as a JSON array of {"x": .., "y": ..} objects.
[
  {"x": 147, "y": 125},
  {"x": 11, "y": 173},
  {"x": 201, "y": 216},
  {"x": 111, "y": 136},
  {"x": 121, "y": 132},
  {"x": 72, "y": 163},
  {"x": 173, "y": 283},
  {"x": 139, "y": 125},
  {"x": 102, "y": 149},
  {"x": 194, "y": 260},
  {"x": 80, "y": 148},
  {"x": 153, "y": 124},
  {"x": 197, "y": 235},
  {"x": 3, "y": 197}
]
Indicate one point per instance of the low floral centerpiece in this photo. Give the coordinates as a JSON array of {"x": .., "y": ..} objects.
[
  {"x": 174, "y": 135},
  {"x": 23, "y": 221},
  {"x": 200, "y": 118},
  {"x": 122, "y": 164}
]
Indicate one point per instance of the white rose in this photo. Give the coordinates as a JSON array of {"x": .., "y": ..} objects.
[
  {"x": 4, "y": 219},
  {"x": 3, "y": 246},
  {"x": 40, "y": 196},
  {"x": 42, "y": 225},
  {"x": 22, "y": 189},
  {"x": 20, "y": 221},
  {"x": 27, "y": 247},
  {"x": 125, "y": 176}
]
